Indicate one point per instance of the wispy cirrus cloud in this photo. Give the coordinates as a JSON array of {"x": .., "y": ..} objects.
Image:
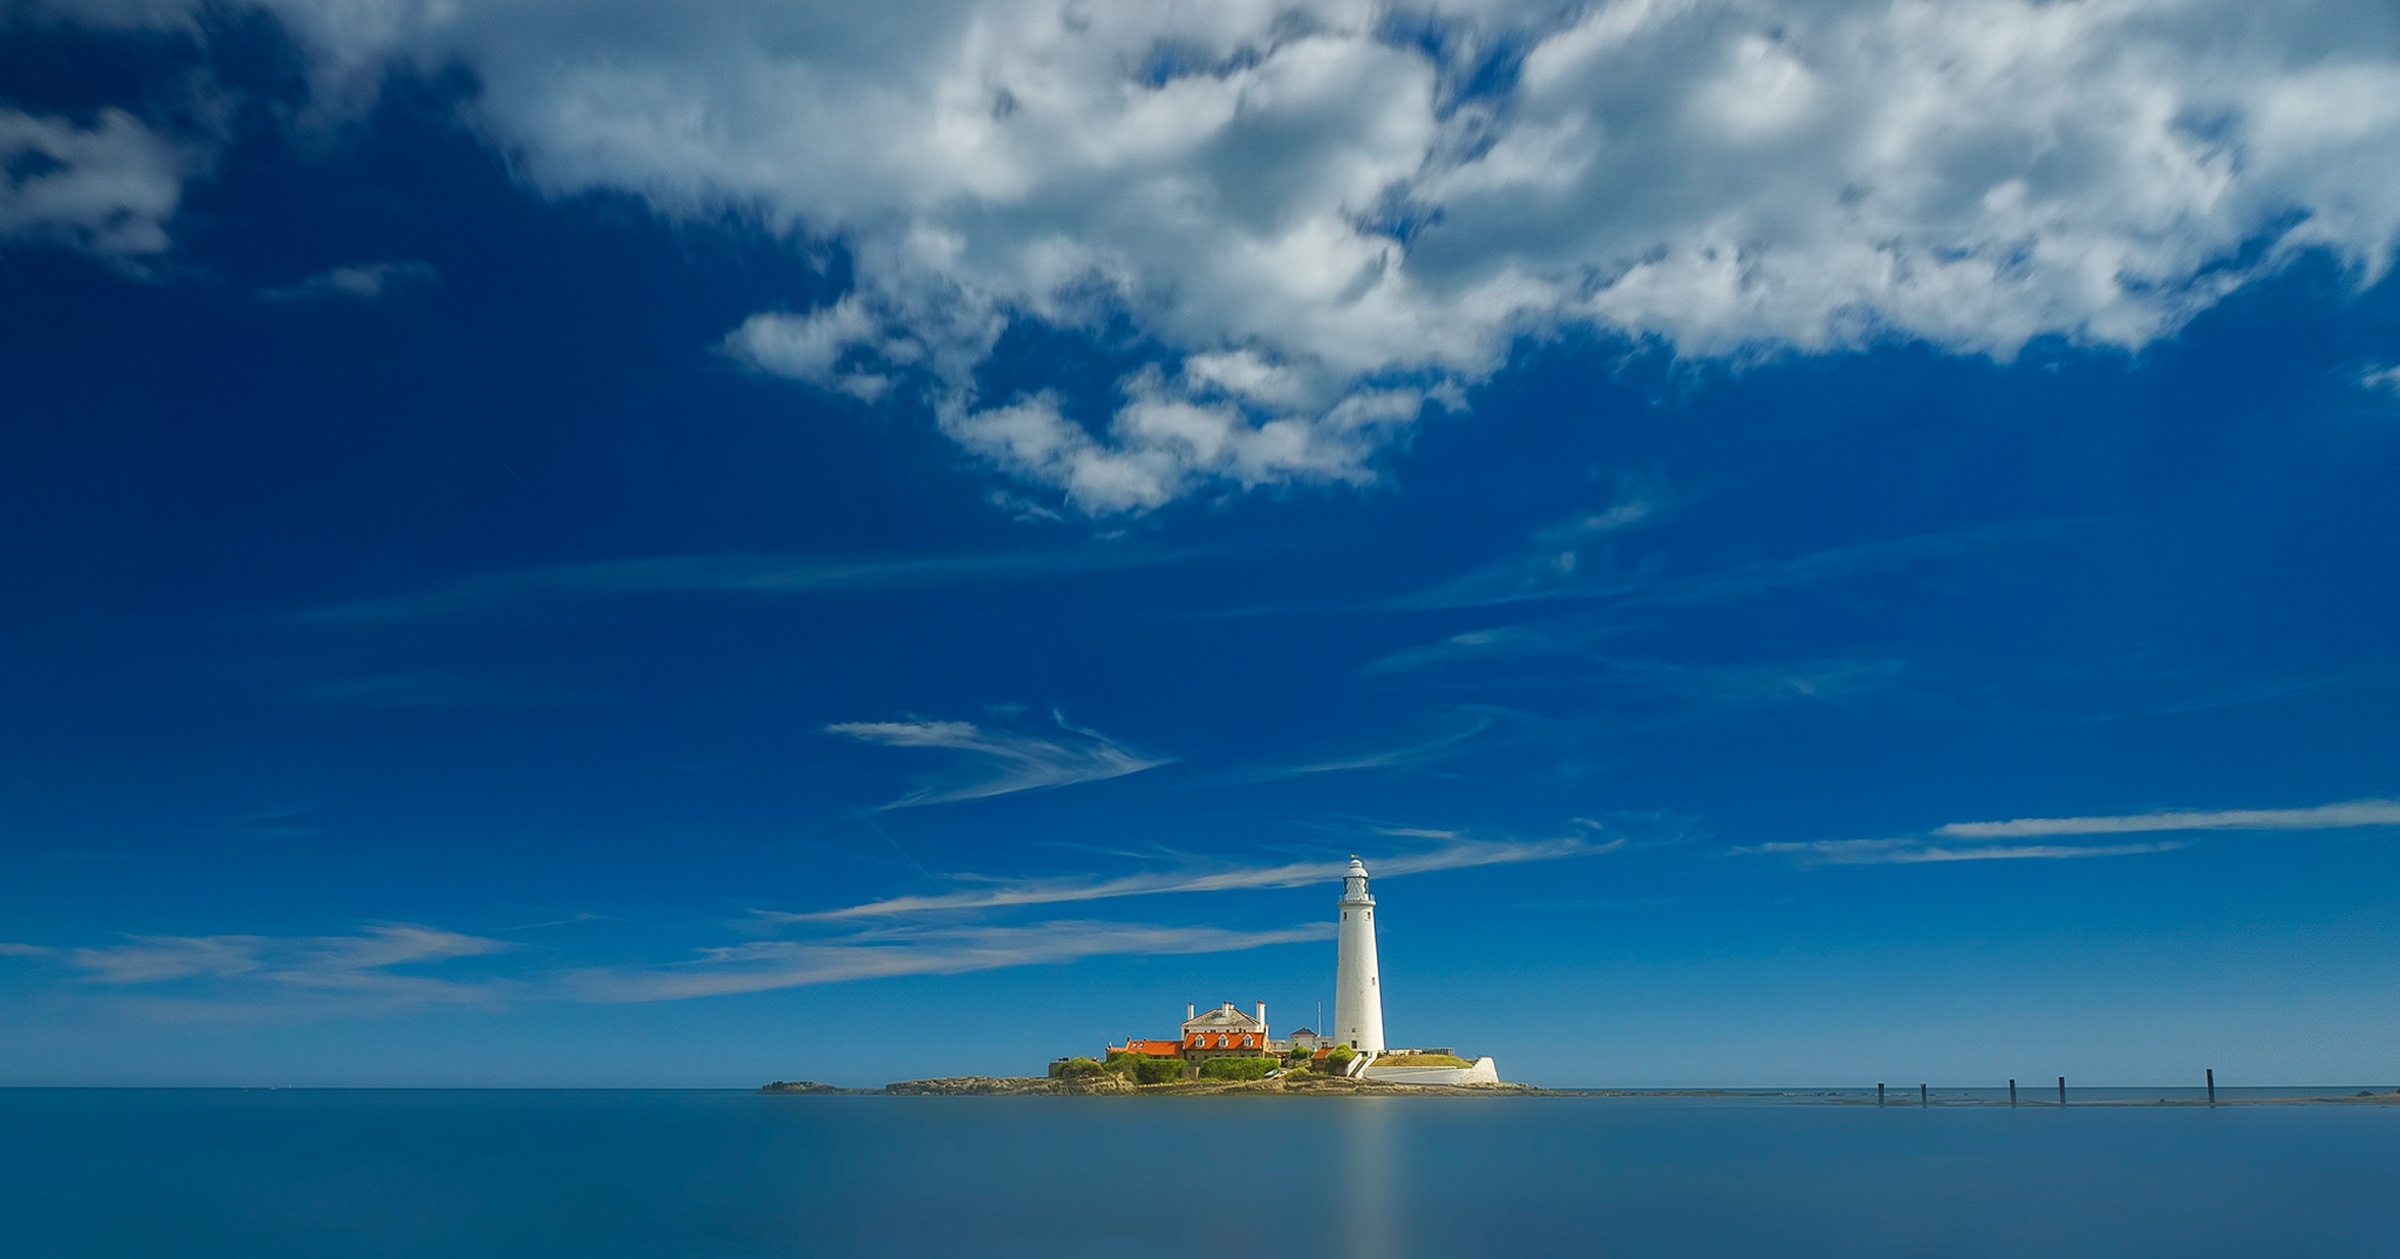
[
  {"x": 1528, "y": 638},
  {"x": 1721, "y": 685},
  {"x": 1978, "y": 841},
  {"x": 1865, "y": 559},
  {"x": 1006, "y": 761},
  {"x": 728, "y": 574},
  {"x": 886, "y": 938},
  {"x": 369, "y": 963},
  {"x": 1454, "y": 853},
  {"x": 249, "y": 976},
  {"x": 2321, "y": 817},
  {"x": 380, "y": 967},
  {"x": 761, "y": 966},
  {"x": 1916, "y": 851},
  {"x": 1562, "y": 557},
  {"x": 1571, "y": 573},
  {"x": 1387, "y": 758}
]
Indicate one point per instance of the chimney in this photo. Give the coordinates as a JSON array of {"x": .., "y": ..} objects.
[
  {"x": 1189, "y": 1009},
  {"x": 1262, "y": 1018}
]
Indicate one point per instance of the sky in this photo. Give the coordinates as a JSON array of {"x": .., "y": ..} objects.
[{"x": 647, "y": 544}]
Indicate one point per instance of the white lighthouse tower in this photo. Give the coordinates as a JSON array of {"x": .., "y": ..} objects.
[{"x": 1357, "y": 990}]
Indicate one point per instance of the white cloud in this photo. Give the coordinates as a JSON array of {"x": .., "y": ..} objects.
[
  {"x": 766, "y": 965},
  {"x": 2322, "y": 817},
  {"x": 1454, "y": 854},
  {"x": 1163, "y": 441},
  {"x": 108, "y": 188},
  {"x": 1885, "y": 852},
  {"x": 2381, "y": 379},
  {"x": 1320, "y": 232},
  {"x": 1390, "y": 758},
  {"x": 1008, "y": 761},
  {"x": 1574, "y": 560},
  {"x": 1944, "y": 843},
  {"x": 730, "y": 574},
  {"x": 365, "y": 964},
  {"x": 1567, "y": 558},
  {"x": 825, "y": 346},
  {"x": 381, "y": 967},
  {"x": 362, "y": 282}
]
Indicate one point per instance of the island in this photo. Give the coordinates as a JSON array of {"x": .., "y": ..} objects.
[
  {"x": 1112, "y": 1085},
  {"x": 1318, "y": 1085}
]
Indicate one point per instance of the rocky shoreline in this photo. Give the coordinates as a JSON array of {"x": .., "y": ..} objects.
[
  {"x": 1110, "y": 1085},
  {"x": 1340, "y": 1086}
]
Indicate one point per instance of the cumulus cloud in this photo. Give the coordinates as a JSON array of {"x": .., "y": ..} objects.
[
  {"x": 108, "y": 188},
  {"x": 1162, "y": 442},
  {"x": 1325, "y": 216},
  {"x": 359, "y": 282},
  {"x": 1005, "y": 761}
]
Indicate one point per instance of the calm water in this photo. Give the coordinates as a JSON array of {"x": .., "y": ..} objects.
[{"x": 591, "y": 1174}]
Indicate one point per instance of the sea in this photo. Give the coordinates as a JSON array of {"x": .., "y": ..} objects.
[{"x": 158, "y": 1174}]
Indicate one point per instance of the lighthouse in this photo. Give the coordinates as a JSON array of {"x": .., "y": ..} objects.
[{"x": 1357, "y": 990}]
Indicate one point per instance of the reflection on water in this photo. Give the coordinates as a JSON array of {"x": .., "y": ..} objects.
[{"x": 1366, "y": 1222}]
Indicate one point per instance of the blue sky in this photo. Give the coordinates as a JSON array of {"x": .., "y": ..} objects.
[{"x": 1807, "y": 544}]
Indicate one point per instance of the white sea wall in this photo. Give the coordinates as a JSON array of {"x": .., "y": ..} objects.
[{"x": 1483, "y": 1072}]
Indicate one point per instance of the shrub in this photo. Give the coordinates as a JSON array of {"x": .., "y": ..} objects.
[
  {"x": 1078, "y": 1068},
  {"x": 1237, "y": 1068},
  {"x": 1336, "y": 1060},
  {"x": 1148, "y": 1070}
]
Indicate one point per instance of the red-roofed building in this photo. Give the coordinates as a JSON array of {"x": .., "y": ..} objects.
[{"x": 1224, "y": 1032}]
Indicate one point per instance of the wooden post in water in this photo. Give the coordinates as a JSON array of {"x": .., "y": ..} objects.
[
  {"x": 1879, "y": 1095},
  {"x": 1920, "y": 1095},
  {"x": 2212, "y": 1086},
  {"x": 2012, "y": 1092},
  {"x": 2062, "y": 1090}
]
